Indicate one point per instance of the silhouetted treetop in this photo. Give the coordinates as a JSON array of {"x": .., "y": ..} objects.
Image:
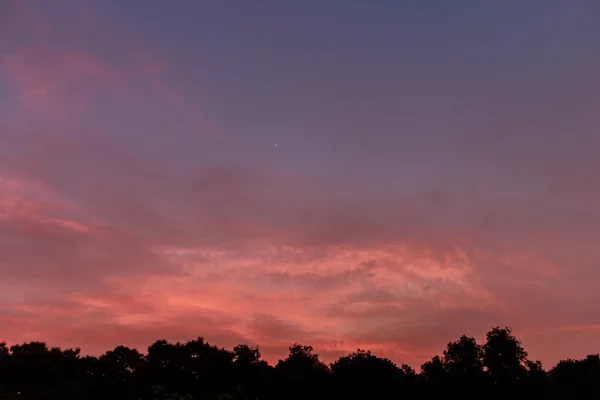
[
  {"x": 503, "y": 356},
  {"x": 463, "y": 358},
  {"x": 194, "y": 370}
]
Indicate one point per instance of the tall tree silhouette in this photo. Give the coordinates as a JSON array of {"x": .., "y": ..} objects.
[
  {"x": 250, "y": 372},
  {"x": 119, "y": 371},
  {"x": 31, "y": 369},
  {"x": 165, "y": 363},
  {"x": 434, "y": 371},
  {"x": 302, "y": 375},
  {"x": 463, "y": 363},
  {"x": 362, "y": 375},
  {"x": 463, "y": 359},
  {"x": 504, "y": 357},
  {"x": 209, "y": 367}
]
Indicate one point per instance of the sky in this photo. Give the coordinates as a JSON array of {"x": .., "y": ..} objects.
[{"x": 385, "y": 175}]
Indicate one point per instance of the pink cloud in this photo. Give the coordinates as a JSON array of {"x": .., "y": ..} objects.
[
  {"x": 273, "y": 284},
  {"x": 102, "y": 244},
  {"x": 23, "y": 200}
]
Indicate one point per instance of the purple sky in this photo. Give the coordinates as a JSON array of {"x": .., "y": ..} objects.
[{"x": 383, "y": 175}]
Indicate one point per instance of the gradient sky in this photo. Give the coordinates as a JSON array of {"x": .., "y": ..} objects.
[{"x": 378, "y": 174}]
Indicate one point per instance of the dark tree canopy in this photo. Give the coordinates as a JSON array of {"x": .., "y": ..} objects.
[
  {"x": 498, "y": 368},
  {"x": 463, "y": 359},
  {"x": 503, "y": 356}
]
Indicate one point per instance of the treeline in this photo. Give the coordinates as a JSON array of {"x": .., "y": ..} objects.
[{"x": 198, "y": 370}]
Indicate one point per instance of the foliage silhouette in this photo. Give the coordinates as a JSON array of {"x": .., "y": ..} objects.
[
  {"x": 504, "y": 357},
  {"x": 198, "y": 370}
]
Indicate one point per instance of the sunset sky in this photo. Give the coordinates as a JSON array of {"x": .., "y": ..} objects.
[{"x": 378, "y": 174}]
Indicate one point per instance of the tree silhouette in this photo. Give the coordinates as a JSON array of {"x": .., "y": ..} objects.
[
  {"x": 119, "y": 370},
  {"x": 463, "y": 365},
  {"x": 578, "y": 378},
  {"x": 434, "y": 371},
  {"x": 164, "y": 364},
  {"x": 536, "y": 379},
  {"x": 251, "y": 373},
  {"x": 504, "y": 357},
  {"x": 302, "y": 374},
  {"x": 463, "y": 359},
  {"x": 198, "y": 370},
  {"x": 4, "y": 368},
  {"x": 209, "y": 368},
  {"x": 362, "y": 375}
]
